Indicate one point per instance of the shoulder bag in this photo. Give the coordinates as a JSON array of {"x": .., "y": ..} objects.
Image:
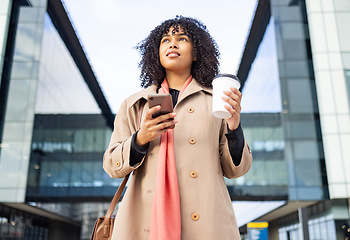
[{"x": 104, "y": 225}]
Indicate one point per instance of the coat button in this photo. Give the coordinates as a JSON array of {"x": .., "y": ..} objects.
[
  {"x": 193, "y": 174},
  {"x": 195, "y": 216},
  {"x": 190, "y": 109},
  {"x": 117, "y": 164},
  {"x": 192, "y": 140}
]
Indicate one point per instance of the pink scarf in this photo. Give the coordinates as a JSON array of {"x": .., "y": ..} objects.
[{"x": 166, "y": 217}]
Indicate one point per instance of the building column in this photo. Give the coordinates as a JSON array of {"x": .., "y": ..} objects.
[{"x": 303, "y": 222}]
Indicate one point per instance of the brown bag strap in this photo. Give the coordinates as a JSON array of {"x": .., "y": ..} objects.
[{"x": 116, "y": 197}]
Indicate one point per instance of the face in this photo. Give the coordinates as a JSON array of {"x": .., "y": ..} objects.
[{"x": 176, "y": 52}]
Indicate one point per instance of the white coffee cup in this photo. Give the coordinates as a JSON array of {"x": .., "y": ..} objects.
[{"x": 221, "y": 83}]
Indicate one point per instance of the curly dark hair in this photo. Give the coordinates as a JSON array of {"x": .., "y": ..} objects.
[{"x": 204, "y": 47}]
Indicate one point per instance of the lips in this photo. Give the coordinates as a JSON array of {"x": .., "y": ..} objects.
[{"x": 173, "y": 54}]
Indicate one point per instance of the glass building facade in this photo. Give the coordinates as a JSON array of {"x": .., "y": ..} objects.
[
  {"x": 18, "y": 85},
  {"x": 281, "y": 80},
  {"x": 66, "y": 159},
  {"x": 330, "y": 51},
  {"x": 347, "y": 77},
  {"x": 300, "y": 115},
  {"x": 54, "y": 126},
  {"x": 61, "y": 87},
  {"x": 267, "y": 177},
  {"x": 308, "y": 45}
]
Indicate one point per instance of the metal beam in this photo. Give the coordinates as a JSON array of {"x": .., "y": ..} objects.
[
  {"x": 62, "y": 23},
  {"x": 261, "y": 20}
]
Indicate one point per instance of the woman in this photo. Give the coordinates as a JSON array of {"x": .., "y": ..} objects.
[{"x": 177, "y": 189}]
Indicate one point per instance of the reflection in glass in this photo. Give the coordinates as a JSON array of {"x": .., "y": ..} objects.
[
  {"x": 61, "y": 88},
  {"x": 347, "y": 79},
  {"x": 267, "y": 176},
  {"x": 66, "y": 158},
  {"x": 262, "y": 89}
]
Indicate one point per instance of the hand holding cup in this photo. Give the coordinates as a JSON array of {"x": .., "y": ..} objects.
[{"x": 227, "y": 99}]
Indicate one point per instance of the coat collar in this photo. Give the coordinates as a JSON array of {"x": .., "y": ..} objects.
[{"x": 192, "y": 88}]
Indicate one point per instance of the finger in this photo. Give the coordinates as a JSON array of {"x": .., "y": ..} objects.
[
  {"x": 151, "y": 111},
  {"x": 167, "y": 120},
  {"x": 167, "y": 124},
  {"x": 230, "y": 101},
  {"x": 165, "y": 117},
  {"x": 234, "y": 95},
  {"x": 230, "y": 109},
  {"x": 157, "y": 124},
  {"x": 234, "y": 104},
  {"x": 233, "y": 111},
  {"x": 236, "y": 91}
]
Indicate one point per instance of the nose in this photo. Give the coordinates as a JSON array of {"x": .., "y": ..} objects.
[{"x": 173, "y": 45}]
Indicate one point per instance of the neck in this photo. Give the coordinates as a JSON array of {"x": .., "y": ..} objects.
[{"x": 176, "y": 80}]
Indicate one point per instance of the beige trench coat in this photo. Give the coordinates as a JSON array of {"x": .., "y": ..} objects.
[{"x": 202, "y": 161}]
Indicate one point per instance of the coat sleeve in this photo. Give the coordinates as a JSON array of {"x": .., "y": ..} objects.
[
  {"x": 116, "y": 158},
  {"x": 230, "y": 170}
]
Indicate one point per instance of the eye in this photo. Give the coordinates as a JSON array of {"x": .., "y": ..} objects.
[
  {"x": 183, "y": 39},
  {"x": 165, "y": 40}
]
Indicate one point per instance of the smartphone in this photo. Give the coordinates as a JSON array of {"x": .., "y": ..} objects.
[{"x": 164, "y": 100}]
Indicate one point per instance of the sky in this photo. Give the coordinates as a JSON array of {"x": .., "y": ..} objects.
[{"x": 110, "y": 29}]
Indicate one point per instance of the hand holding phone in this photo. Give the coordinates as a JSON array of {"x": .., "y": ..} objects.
[
  {"x": 166, "y": 104},
  {"x": 164, "y": 100},
  {"x": 153, "y": 126}
]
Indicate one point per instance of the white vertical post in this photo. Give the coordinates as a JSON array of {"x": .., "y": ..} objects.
[{"x": 303, "y": 222}]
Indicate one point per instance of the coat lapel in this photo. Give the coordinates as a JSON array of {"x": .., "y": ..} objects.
[{"x": 193, "y": 88}]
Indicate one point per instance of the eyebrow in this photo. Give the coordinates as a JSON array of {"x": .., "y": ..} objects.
[{"x": 180, "y": 34}]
